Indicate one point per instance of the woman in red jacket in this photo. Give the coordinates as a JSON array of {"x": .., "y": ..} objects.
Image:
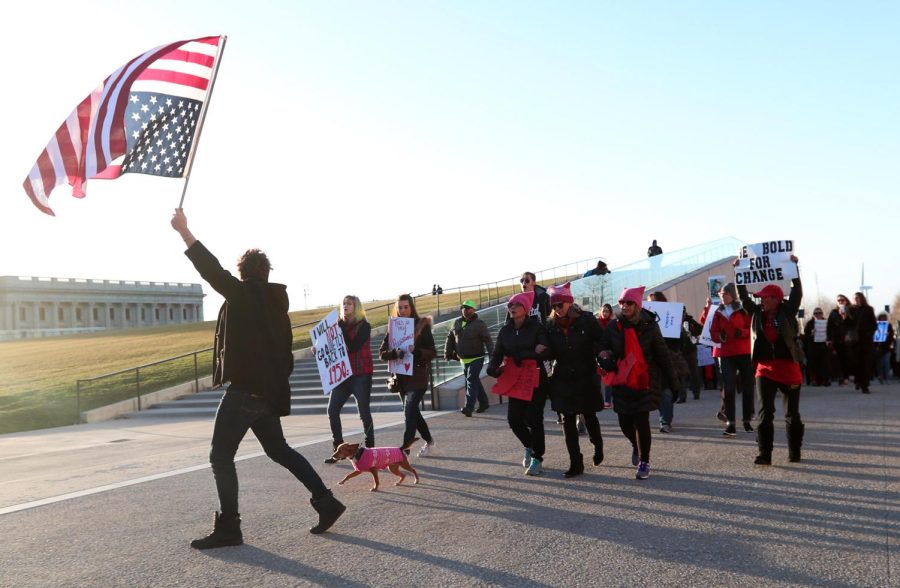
[{"x": 731, "y": 329}]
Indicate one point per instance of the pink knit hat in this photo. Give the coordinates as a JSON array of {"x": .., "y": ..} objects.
[
  {"x": 560, "y": 294},
  {"x": 635, "y": 295},
  {"x": 524, "y": 298}
]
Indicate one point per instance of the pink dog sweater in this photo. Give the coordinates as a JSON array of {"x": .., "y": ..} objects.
[{"x": 376, "y": 457}]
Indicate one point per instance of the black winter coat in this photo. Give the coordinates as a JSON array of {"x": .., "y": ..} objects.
[
  {"x": 253, "y": 333},
  {"x": 520, "y": 344},
  {"x": 656, "y": 354},
  {"x": 574, "y": 380}
]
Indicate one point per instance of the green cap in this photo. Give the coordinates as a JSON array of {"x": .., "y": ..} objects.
[{"x": 468, "y": 303}]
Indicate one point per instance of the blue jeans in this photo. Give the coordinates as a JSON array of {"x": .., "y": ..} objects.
[
  {"x": 474, "y": 389},
  {"x": 360, "y": 387},
  {"x": 413, "y": 418},
  {"x": 666, "y": 408},
  {"x": 238, "y": 412}
]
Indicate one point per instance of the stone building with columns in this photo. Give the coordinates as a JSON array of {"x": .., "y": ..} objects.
[{"x": 41, "y": 307}]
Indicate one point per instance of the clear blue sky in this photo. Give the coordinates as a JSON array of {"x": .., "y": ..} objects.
[{"x": 380, "y": 147}]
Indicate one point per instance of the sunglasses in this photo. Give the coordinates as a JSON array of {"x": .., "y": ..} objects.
[{"x": 525, "y": 281}]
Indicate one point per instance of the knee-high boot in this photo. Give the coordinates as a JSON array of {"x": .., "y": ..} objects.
[
  {"x": 795, "y": 440},
  {"x": 765, "y": 437}
]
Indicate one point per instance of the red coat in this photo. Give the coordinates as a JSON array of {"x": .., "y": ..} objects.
[{"x": 736, "y": 331}]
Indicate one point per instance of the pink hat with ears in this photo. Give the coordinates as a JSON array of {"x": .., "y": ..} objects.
[
  {"x": 635, "y": 295},
  {"x": 560, "y": 294},
  {"x": 526, "y": 299}
]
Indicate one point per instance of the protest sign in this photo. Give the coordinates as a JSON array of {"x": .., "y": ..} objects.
[
  {"x": 765, "y": 263},
  {"x": 332, "y": 358},
  {"x": 401, "y": 333},
  {"x": 881, "y": 332},
  {"x": 669, "y": 316},
  {"x": 716, "y": 283},
  {"x": 704, "y": 355},
  {"x": 820, "y": 331},
  {"x": 704, "y": 338},
  {"x": 517, "y": 381}
]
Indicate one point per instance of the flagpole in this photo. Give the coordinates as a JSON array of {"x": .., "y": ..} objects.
[{"x": 212, "y": 83}]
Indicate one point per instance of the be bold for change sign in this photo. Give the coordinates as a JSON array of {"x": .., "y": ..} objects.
[{"x": 766, "y": 262}]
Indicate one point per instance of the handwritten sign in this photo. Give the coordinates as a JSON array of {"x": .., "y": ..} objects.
[
  {"x": 401, "y": 334},
  {"x": 881, "y": 332},
  {"x": 820, "y": 331},
  {"x": 669, "y": 316},
  {"x": 331, "y": 352},
  {"x": 716, "y": 283},
  {"x": 765, "y": 263},
  {"x": 517, "y": 381},
  {"x": 704, "y": 338}
]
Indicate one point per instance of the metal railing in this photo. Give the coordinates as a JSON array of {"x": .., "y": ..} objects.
[{"x": 133, "y": 382}]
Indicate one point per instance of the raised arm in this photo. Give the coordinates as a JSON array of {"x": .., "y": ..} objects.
[{"x": 205, "y": 262}]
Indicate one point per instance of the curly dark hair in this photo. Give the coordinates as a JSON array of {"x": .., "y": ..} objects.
[{"x": 254, "y": 264}]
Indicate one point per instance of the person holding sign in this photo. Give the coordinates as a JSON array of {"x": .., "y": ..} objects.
[
  {"x": 357, "y": 335},
  {"x": 884, "y": 348},
  {"x": 575, "y": 337},
  {"x": 777, "y": 354},
  {"x": 676, "y": 346},
  {"x": 635, "y": 355},
  {"x": 523, "y": 338},
  {"x": 253, "y": 352},
  {"x": 412, "y": 388},
  {"x": 814, "y": 334},
  {"x": 731, "y": 330}
]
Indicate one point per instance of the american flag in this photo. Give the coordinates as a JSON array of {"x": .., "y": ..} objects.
[{"x": 141, "y": 119}]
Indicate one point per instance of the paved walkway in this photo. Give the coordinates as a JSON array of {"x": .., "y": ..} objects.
[{"x": 139, "y": 491}]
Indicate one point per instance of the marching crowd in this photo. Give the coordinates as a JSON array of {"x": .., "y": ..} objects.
[{"x": 583, "y": 363}]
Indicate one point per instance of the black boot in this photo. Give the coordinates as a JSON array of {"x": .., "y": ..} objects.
[
  {"x": 765, "y": 437},
  {"x": 598, "y": 454},
  {"x": 795, "y": 440},
  {"x": 330, "y": 459},
  {"x": 576, "y": 467},
  {"x": 330, "y": 510},
  {"x": 226, "y": 532}
]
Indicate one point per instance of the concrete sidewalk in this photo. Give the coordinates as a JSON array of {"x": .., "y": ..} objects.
[{"x": 706, "y": 516}]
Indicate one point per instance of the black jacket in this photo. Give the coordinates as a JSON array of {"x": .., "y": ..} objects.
[
  {"x": 253, "y": 333},
  {"x": 787, "y": 344},
  {"x": 656, "y": 354},
  {"x": 573, "y": 381},
  {"x": 423, "y": 354},
  {"x": 520, "y": 344}
]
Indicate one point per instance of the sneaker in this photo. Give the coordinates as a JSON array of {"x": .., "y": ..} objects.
[
  {"x": 763, "y": 460},
  {"x": 526, "y": 461},
  {"x": 466, "y": 411},
  {"x": 426, "y": 449},
  {"x": 482, "y": 407},
  {"x": 729, "y": 431},
  {"x": 643, "y": 471},
  {"x": 665, "y": 429},
  {"x": 634, "y": 456},
  {"x": 748, "y": 427},
  {"x": 534, "y": 468}
]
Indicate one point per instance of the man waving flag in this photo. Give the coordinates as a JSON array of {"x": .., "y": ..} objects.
[{"x": 142, "y": 119}]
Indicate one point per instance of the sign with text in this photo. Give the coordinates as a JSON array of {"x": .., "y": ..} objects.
[
  {"x": 668, "y": 317},
  {"x": 517, "y": 381},
  {"x": 704, "y": 338},
  {"x": 401, "y": 334},
  {"x": 881, "y": 332},
  {"x": 820, "y": 328},
  {"x": 331, "y": 352},
  {"x": 716, "y": 283},
  {"x": 765, "y": 263}
]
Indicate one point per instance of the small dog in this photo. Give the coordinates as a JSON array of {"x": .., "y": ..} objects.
[{"x": 372, "y": 459}]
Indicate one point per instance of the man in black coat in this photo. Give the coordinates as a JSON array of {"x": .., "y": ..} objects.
[{"x": 253, "y": 352}]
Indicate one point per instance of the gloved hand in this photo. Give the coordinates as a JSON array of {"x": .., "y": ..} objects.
[{"x": 494, "y": 372}]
